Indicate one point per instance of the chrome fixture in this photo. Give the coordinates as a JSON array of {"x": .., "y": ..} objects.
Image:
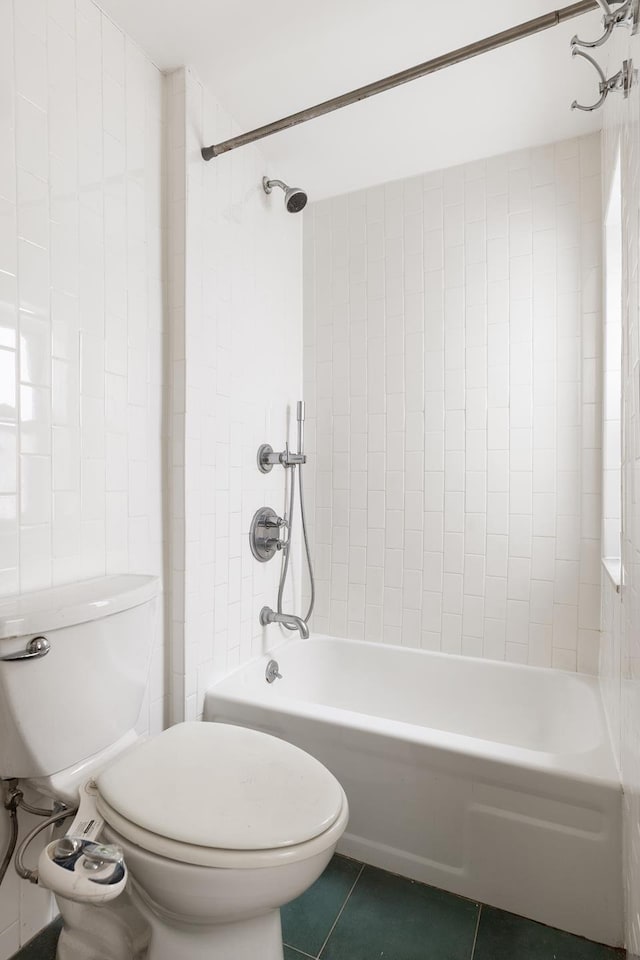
[
  {"x": 37, "y": 647},
  {"x": 267, "y": 616},
  {"x": 519, "y": 32},
  {"x": 272, "y": 672},
  {"x": 268, "y": 458},
  {"x": 261, "y": 535},
  {"x": 264, "y": 535},
  {"x": 295, "y": 199},
  {"x": 626, "y": 15},
  {"x": 622, "y": 81}
]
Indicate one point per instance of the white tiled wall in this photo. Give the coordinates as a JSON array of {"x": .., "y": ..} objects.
[
  {"x": 620, "y": 658},
  {"x": 452, "y": 368},
  {"x": 235, "y": 268},
  {"x": 81, "y": 323}
]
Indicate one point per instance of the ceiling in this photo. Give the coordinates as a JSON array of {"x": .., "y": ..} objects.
[{"x": 266, "y": 61}]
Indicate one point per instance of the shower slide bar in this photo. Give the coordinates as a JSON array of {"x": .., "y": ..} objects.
[{"x": 519, "y": 32}]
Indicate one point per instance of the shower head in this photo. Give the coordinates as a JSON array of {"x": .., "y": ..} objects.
[{"x": 295, "y": 199}]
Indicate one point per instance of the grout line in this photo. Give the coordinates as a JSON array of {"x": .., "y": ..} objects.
[
  {"x": 475, "y": 936},
  {"x": 346, "y": 900},
  {"x": 296, "y": 950}
]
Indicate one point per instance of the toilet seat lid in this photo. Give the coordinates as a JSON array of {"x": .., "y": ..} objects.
[{"x": 218, "y": 785}]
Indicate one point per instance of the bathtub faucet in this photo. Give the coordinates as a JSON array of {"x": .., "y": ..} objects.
[{"x": 267, "y": 616}]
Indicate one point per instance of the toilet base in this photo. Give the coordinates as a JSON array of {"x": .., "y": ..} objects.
[
  {"x": 116, "y": 931},
  {"x": 128, "y": 929},
  {"x": 259, "y": 938}
]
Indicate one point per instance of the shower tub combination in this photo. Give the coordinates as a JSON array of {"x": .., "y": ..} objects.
[{"x": 491, "y": 780}]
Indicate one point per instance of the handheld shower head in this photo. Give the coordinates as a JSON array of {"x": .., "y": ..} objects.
[
  {"x": 295, "y": 199},
  {"x": 300, "y": 417}
]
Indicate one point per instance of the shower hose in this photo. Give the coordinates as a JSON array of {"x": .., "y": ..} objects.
[{"x": 285, "y": 561}]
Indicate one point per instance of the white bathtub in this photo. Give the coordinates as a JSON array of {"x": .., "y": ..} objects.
[{"x": 491, "y": 780}]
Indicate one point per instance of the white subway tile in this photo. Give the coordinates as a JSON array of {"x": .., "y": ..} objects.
[
  {"x": 497, "y": 554},
  {"x": 499, "y": 484},
  {"x": 30, "y": 64},
  {"x": 475, "y": 533},
  {"x": 31, "y": 138},
  {"x": 473, "y": 617},
  {"x": 494, "y": 638},
  {"x": 451, "y": 633}
]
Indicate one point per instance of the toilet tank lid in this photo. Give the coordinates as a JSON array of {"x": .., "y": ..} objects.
[{"x": 74, "y": 603}]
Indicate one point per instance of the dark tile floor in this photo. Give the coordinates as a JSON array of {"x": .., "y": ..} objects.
[
  {"x": 356, "y": 912},
  {"x": 43, "y": 946}
]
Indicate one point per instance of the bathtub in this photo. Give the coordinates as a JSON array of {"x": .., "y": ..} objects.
[{"x": 491, "y": 780}]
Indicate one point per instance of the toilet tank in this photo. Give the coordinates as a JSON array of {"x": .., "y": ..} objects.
[{"x": 85, "y": 693}]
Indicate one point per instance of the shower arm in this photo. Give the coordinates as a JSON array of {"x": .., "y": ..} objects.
[
  {"x": 268, "y": 185},
  {"x": 519, "y": 32}
]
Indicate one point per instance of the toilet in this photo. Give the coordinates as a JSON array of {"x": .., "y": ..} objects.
[{"x": 218, "y": 825}]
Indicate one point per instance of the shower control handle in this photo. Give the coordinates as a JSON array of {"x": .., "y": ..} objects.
[
  {"x": 275, "y": 522},
  {"x": 268, "y": 458},
  {"x": 270, "y": 543},
  {"x": 264, "y": 545}
]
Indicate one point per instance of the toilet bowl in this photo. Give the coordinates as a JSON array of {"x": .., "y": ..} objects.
[{"x": 220, "y": 826}]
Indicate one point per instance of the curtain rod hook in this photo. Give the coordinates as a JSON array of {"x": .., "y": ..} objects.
[
  {"x": 626, "y": 15},
  {"x": 621, "y": 81}
]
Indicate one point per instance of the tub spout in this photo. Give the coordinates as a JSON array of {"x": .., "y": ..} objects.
[{"x": 267, "y": 615}]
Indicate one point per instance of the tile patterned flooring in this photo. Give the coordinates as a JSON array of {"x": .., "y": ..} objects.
[{"x": 357, "y": 912}]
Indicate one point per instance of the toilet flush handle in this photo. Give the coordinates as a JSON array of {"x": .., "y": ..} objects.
[{"x": 37, "y": 647}]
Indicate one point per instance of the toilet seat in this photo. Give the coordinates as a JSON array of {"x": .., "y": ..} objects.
[
  {"x": 220, "y": 795},
  {"x": 214, "y": 857}
]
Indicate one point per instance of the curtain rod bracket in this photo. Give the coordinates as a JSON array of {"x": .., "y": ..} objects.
[
  {"x": 621, "y": 82},
  {"x": 627, "y": 15}
]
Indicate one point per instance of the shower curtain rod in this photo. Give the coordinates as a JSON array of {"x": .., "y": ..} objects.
[{"x": 526, "y": 29}]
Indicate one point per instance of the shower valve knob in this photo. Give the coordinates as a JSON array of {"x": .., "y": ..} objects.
[
  {"x": 271, "y": 543},
  {"x": 275, "y": 522},
  {"x": 264, "y": 545}
]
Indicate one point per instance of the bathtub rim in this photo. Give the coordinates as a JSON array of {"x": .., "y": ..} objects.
[{"x": 600, "y": 772}]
